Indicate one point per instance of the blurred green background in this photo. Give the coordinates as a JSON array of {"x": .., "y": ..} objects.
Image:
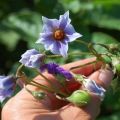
[{"x": 96, "y": 20}]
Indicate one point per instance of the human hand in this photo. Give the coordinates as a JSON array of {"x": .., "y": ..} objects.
[{"x": 24, "y": 106}]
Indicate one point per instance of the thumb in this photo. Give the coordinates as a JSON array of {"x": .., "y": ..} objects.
[{"x": 103, "y": 78}]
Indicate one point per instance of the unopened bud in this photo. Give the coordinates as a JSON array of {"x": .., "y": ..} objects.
[
  {"x": 38, "y": 94},
  {"x": 79, "y": 98}
]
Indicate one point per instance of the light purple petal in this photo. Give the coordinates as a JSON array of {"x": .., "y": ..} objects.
[
  {"x": 93, "y": 87},
  {"x": 26, "y": 55},
  {"x": 69, "y": 29},
  {"x": 29, "y": 52},
  {"x": 35, "y": 60},
  {"x": 63, "y": 49},
  {"x": 54, "y": 47},
  {"x": 32, "y": 58},
  {"x": 50, "y": 24},
  {"x": 74, "y": 36},
  {"x": 1, "y": 77},
  {"x": 7, "y": 82},
  {"x": 44, "y": 37},
  {"x": 64, "y": 20},
  {"x": 5, "y": 93}
]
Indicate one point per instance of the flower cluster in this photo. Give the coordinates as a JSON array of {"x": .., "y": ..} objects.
[{"x": 55, "y": 36}]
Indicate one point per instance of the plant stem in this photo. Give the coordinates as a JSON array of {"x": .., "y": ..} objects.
[
  {"x": 83, "y": 42},
  {"x": 83, "y": 65},
  {"x": 42, "y": 86},
  {"x": 48, "y": 88},
  {"x": 52, "y": 86},
  {"x": 19, "y": 70},
  {"x": 69, "y": 54}
]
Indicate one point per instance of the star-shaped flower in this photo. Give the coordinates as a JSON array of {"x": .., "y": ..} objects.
[{"x": 57, "y": 33}]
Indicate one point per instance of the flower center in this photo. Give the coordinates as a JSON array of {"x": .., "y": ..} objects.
[{"x": 59, "y": 35}]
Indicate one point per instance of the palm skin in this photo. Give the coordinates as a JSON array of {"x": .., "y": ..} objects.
[{"x": 24, "y": 106}]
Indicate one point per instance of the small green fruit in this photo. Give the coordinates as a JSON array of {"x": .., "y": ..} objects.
[
  {"x": 79, "y": 98},
  {"x": 38, "y": 94}
]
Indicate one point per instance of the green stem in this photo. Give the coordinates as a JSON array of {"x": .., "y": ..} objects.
[
  {"x": 19, "y": 70},
  {"x": 42, "y": 86},
  {"x": 47, "y": 80},
  {"x": 52, "y": 86},
  {"x": 69, "y": 54},
  {"x": 90, "y": 47},
  {"x": 83, "y": 42},
  {"x": 49, "y": 89},
  {"x": 83, "y": 65}
]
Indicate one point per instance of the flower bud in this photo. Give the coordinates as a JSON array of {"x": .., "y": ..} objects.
[
  {"x": 38, "y": 95},
  {"x": 79, "y": 98}
]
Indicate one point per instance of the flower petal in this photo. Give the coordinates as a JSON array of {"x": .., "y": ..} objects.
[
  {"x": 44, "y": 37},
  {"x": 50, "y": 24},
  {"x": 69, "y": 29},
  {"x": 5, "y": 93},
  {"x": 7, "y": 82},
  {"x": 74, "y": 36},
  {"x": 64, "y": 20},
  {"x": 63, "y": 49},
  {"x": 55, "y": 48},
  {"x": 59, "y": 48}
]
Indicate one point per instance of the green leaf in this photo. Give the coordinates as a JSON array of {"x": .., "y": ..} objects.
[
  {"x": 99, "y": 37},
  {"x": 26, "y": 23},
  {"x": 9, "y": 38},
  {"x": 108, "y": 22},
  {"x": 106, "y": 2}
]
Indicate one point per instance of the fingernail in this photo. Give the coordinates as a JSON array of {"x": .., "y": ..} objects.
[{"x": 106, "y": 77}]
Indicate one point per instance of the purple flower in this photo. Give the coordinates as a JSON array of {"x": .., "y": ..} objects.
[
  {"x": 57, "y": 33},
  {"x": 55, "y": 69},
  {"x": 32, "y": 58},
  {"x": 93, "y": 87},
  {"x": 7, "y": 84}
]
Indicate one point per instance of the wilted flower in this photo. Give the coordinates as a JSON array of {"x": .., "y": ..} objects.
[
  {"x": 93, "y": 87},
  {"x": 55, "y": 69},
  {"x": 57, "y": 33},
  {"x": 32, "y": 58},
  {"x": 7, "y": 84}
]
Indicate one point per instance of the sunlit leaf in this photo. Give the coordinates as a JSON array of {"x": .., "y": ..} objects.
[
  {"x": 99, "y": 37},
  {"x": 27, "y": 24}
]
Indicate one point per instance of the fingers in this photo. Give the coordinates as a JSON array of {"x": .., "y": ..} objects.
[
  {"x": 87, "y": 70},
  {"x": 103, "y": 78}
]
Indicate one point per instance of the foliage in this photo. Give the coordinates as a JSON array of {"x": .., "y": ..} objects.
[{"x": 96, "y": 20}]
